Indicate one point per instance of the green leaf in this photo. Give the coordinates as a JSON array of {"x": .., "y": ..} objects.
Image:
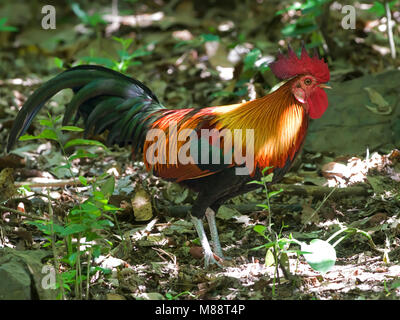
[
  {"x": 26, "y": 187},
  {"x": 251, "y": 59},
  {"x": 269, "y": 244},
  {"x": 111, "y": 208},
  {"x": 395, "y": 284},
  {"x": 264, "y": 206},
  {"x": 71, "y": 128},
  {"x": 46, "y": 227},
  {"x": 46, "y": 122},
  {"x": 83, "y": 180},
  {"x": 209, "y": 37},
  {"x": 85, "y": 208},
  {"x": 108, "y": 187},
  {"x": 379, "y": 9},
  {"x": 274, "y": 193},
  {"x": 46, "y": 134},
  {"x": 241, "y": 92},
  {"x": 99, "y": 196},
  {"x": 86, "y": 142},
  {"x": 58, "y": 62},
  {"x": 3, "y": 27},
  {"x": 64, "y": 166},
  {"x": 79, "y": 12},
  {"x": 124, "y": 42},
  {"x": 95, "y": 19},
  {"x": 260, "y": 229},
  {"x": 284, "y": 260},
  {"x": 8, "y": 28},
  {"x": 27, "y": 137},
  {"x": 255, "y": 182},
  {"x": 268, "y": 178},
  {"x": 71, "y": 260},
  {"x": 269, "y": 258},
  {"x": 261, "y": 247},
  {"x": 265, "y": 169},
  {"x": 295, "y": 6},
  {"x": 73, "y": 228},
  {"x": 90, "y": 208},
  {"x": 298, "y": 28},
  {"x": 138, "y": 53},
  {"x": 105, "y": 223},
  {"x": 321, "y": 256},
  {"x": 82, "y": 154}
]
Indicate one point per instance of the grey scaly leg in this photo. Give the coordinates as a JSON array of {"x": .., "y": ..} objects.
[
  {"x": 208, "y": 254},
  {"x": 210, "y": 215}
]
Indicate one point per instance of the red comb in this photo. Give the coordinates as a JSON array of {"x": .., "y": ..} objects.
[{"x": 286, "y": 67}]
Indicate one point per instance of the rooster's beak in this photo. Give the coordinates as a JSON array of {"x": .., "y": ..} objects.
[{"x": 325, "y": 86}]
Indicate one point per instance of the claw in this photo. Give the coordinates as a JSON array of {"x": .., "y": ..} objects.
[{"x": 209, "y": 256}]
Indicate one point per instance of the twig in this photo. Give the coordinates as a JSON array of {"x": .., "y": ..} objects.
[
  {"x": 51, "y": 183},
  {"x": 245, "y": 208},
  {"x": 28, "y": 215},
  {"x": 390, "y": 30},
  {"x": 316, "y": 210},
  {"x": 318, "y": 192},
  {"x": 54, "y": 249}
]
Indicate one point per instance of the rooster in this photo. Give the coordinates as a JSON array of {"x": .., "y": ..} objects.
[{"x": 271, "y": 128}]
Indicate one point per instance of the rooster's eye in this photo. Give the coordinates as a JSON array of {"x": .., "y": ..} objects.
[{"x": 307, "y": 81}]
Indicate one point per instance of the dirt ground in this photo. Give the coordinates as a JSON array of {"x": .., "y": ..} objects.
[{"x": 159, "y": 258}]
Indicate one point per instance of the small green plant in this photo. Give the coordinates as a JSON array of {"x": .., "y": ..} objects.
[
  {"x": 3, "y": 26},
  {"x": 319, "y": 254},
  {"x": 379, "y": 8},
  {"x": 90, "y": 20},
  {"x": 59, "y": 63},
  {"x": 127, "y": 57},
  {"x": 169, "y": 296},
  {"x": 276, "y": 244},
  {"x": 79, "y": 236},
  {"x": 263, "y": 182},
  {"x": 306, "y": 24}
]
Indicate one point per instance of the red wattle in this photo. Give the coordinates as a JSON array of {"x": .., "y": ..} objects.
[{"x": 317, "y": 103}]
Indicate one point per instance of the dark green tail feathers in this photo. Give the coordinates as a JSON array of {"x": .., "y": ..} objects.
[{"x": 106, "y": 99}]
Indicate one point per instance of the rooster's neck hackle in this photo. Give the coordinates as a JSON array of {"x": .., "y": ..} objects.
[{"x": 279, "y": 123}]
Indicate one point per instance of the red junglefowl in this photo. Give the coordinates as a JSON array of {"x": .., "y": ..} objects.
[{"x": 266, "y": 132}]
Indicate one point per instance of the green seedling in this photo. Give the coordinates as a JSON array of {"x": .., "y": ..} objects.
[{"x": 80, "y": 236}]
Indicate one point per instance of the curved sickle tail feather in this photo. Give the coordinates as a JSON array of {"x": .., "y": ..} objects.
[{"x": 106, "y": 99}]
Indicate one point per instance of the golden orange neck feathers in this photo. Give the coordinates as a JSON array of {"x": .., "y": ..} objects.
[
  {"x": 278, "y": 120},
  {"x": 279, "y": 123}
]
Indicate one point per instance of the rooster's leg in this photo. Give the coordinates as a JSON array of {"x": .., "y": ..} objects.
[
  {"x": 208, "y": 254},
  {"x": 210, "y": 215}
]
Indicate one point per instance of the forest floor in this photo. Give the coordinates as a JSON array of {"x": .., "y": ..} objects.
[
  {"x": 160, "y": 259},
  {"x": 153, "y": 252}
]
